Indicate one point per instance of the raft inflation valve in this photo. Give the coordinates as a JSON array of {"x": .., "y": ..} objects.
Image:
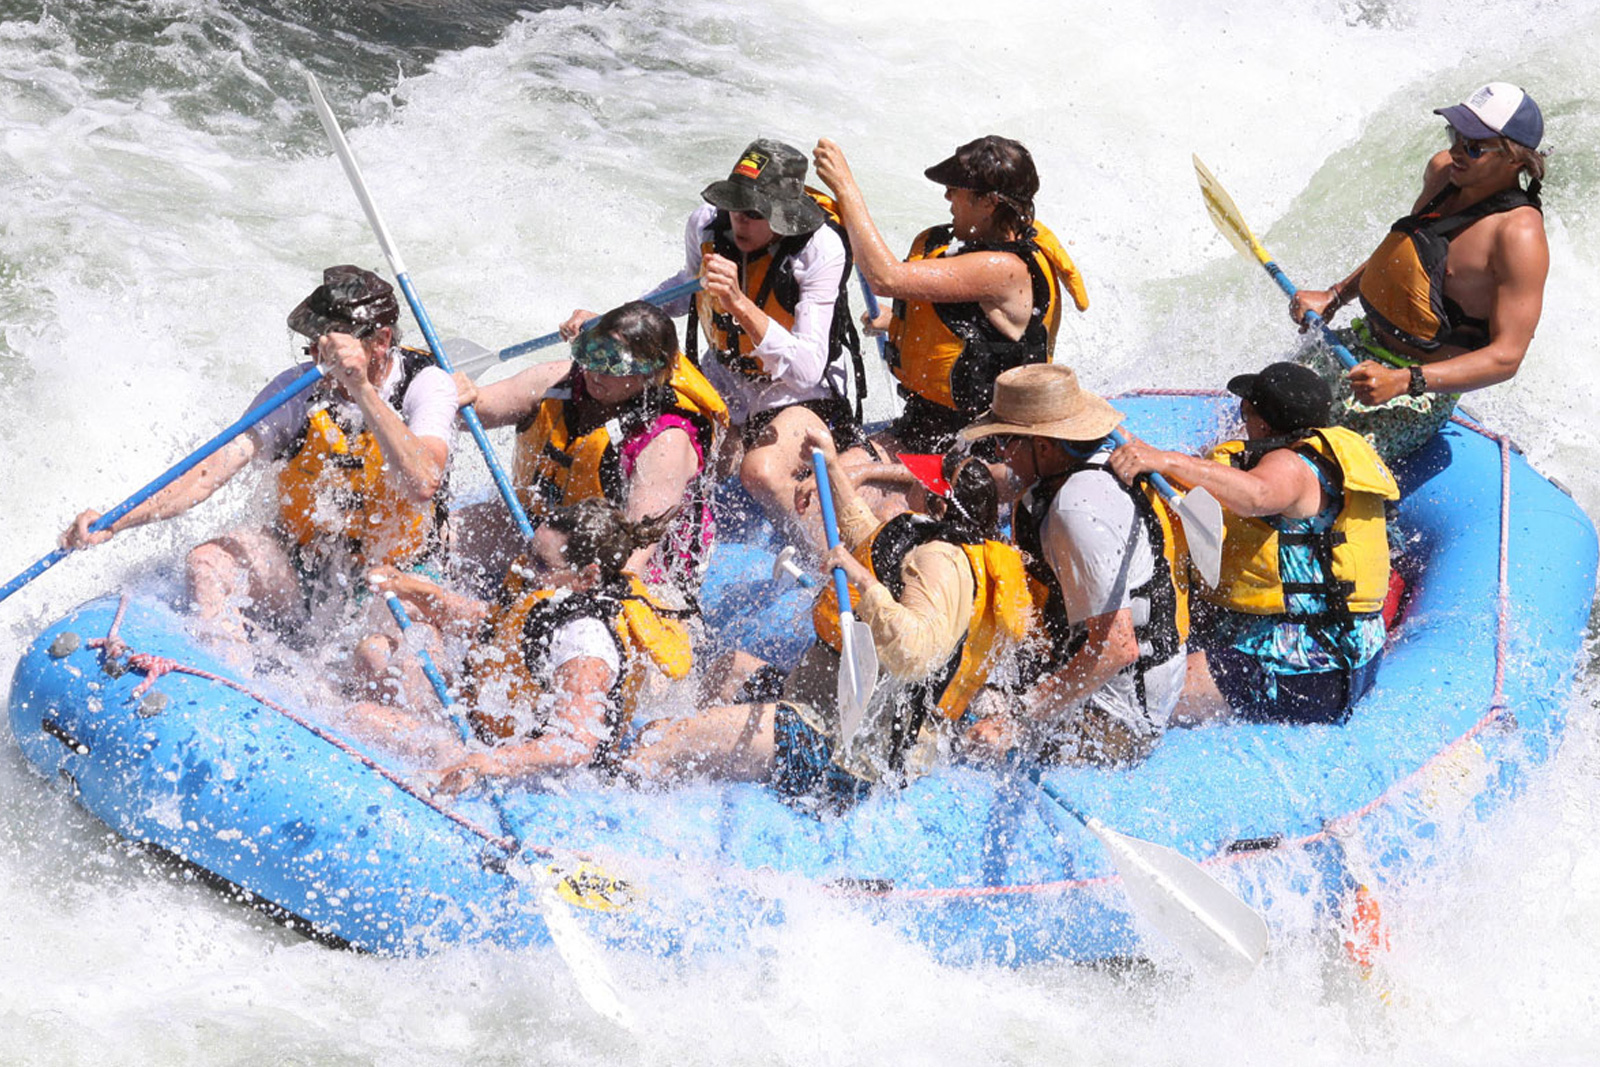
[{"x": 66, "y": 643}]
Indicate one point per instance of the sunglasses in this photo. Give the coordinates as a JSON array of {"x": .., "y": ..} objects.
[
  {"x": 1474, "y": 149},
  {"x": 750, "y": 216}
]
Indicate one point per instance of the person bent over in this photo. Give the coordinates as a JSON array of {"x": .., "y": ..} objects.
[
  {"x": 1110, "y": 565},
  {"x": 556, "y": 666},
  {"x": 1294, "y": 630},
  {"x": 1452, "y": 295},
  {"x": 947, "y": 603},
  {"x": 362, "y": 459},
  {"x": 776, "y": 318}
]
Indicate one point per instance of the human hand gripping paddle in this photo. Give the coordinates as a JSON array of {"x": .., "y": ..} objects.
[
  {"x": 1202, "y": 918},
  {"x": 577, "y": 951},
  {"x": 1226, "y": 217},
  {"x": 858, "y": 662},
  {"x": 178, "y": 470},
  {"x": 341, "y": 148},
  {"x": 1201, "y": 516}
]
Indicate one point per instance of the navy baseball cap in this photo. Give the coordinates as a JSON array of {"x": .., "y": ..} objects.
[{"x": 1499, "y": 109}]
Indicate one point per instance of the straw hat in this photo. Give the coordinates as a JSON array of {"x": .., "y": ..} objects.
[{"x": 1045, "y": 400}]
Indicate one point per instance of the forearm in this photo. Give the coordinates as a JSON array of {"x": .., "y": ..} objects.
[
  {"x": 509, "y": 401},
  {"x": 874, "y": 258},
  {"x": 1478, "y": 369},
  {"x": 1238, "y": 491},
  {"x": 194, "y": 487},
  {"x": 1102, "y": 656},
  {"x": 414, "y": 464}
]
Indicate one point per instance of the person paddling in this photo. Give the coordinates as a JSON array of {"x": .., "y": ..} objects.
[
  {"x": 974, "y": 297},
  {"x": 1452, "y": 295},
  {"x": 775, "y": 315},
  {"x": 1294, "y": 630},
  {"x": 363, "y": 461},
  {"x": 948, "y": 604},
  {"x": 630, "y": 421}
]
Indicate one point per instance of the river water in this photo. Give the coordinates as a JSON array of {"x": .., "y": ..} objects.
[{"x": 168, "y": 195}]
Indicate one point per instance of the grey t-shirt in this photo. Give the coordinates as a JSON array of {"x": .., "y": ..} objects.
[{"x": 1099, "y": 551}]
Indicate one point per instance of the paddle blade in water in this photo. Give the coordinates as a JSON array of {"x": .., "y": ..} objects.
[
  {"x": 1201, "y": 516},
  {"x": 1225, "y": 214},
  {"x": 1201, "y": 917},
  {"x": 858, "y": 674}
]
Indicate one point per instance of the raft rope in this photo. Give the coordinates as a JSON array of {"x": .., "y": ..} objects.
[{"x": 153, "y": 667}]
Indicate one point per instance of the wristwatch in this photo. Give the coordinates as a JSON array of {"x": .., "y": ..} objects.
[{"x": 1419, "y": 384}]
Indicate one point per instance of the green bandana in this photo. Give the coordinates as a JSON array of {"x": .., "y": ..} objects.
[{"x": 603, "y": 354}]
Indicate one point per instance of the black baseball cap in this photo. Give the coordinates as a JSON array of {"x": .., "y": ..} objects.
[{"x": 1288, "y": 396}]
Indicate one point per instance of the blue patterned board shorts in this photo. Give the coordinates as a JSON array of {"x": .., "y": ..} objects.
[
  {"x": 1396, "y": 428},
  {"x": 803, "y": 770}
]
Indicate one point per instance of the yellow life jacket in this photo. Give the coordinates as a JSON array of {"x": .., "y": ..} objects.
[
  {"x": 1357, "y": 544},
  {"x": 517, "y": 632},
  {"x": 1402, "y": 287},
  {"x": 950, "y": 354},
  {"x": 1166, "y": 627},
  {"x": 574, "y": 449},
  {"x": 768, "y": 279},
  {"x": 1002, "y": 609},
  {"x": 334, "y": 486}
]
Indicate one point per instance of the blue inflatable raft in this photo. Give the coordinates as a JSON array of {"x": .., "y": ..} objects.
[{"x": 154, "y": 739}]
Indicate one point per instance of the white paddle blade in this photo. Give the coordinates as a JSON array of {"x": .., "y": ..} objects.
[
  {"x": 352, "y": 170},
  {"x": 858, "y": 674},
  {"x": 1225, "y": 214},
  {"x": 582, "y": 957},
  {"x": 469, "y": 357},
  {"x": 1201, "y": 516},
  {"x": 1202, "y": 918}
]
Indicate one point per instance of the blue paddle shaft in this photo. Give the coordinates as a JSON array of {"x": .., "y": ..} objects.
[
  {"x": 178, "y": 470},
  {"x": 429, "y": 668},
  {"x": 871, "y": 300},
  {"x": 665, "y": 296},
  {"x": 1163, "y": 486},
  {"x": 830, "y": 526},
  {"x": 469, "y": 415},
  {"x": 1328, "y": 336}
]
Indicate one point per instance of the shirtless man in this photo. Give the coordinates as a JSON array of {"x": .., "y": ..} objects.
[{"x": 1479, "y": 232}]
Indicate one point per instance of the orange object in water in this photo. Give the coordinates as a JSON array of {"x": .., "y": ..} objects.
[{"x": 1368, "y": 935}]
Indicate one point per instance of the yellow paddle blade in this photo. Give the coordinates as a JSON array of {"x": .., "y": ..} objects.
[{"x": 1225, "y": 214}]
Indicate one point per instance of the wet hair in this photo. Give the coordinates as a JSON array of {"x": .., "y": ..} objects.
[
  {"x": 1005, "y": 170},
  {"x": 645, "y": 331},
  {"x": 597, "y": 532},
  {"x": 1530, "y": 161},
  {"x": 973, "y": 500}
]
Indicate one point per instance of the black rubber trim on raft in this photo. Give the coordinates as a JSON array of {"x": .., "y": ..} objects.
[
  {"x": 238, "y": 894},
  {"x": 1254, "y": 844},
  {"x": 57, "y": 731}
]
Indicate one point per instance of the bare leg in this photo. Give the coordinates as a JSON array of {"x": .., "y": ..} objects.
[
  {"x": 246, "y": 568},
  {"x": 732, "y": 743},
  {"x": 773, "y": 466},
  {"x": 724, "y": 676},
  {"x": 1201, "y": 701}
]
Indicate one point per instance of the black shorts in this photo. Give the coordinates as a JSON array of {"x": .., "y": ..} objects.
[
  {"x": 835, "y": 412},
  {"x": 926, "y": 427},
  {"x": 1258, "y": 695}
]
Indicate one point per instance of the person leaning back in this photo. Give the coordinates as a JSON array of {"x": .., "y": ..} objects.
[{"x": 1452, "y": 295}]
